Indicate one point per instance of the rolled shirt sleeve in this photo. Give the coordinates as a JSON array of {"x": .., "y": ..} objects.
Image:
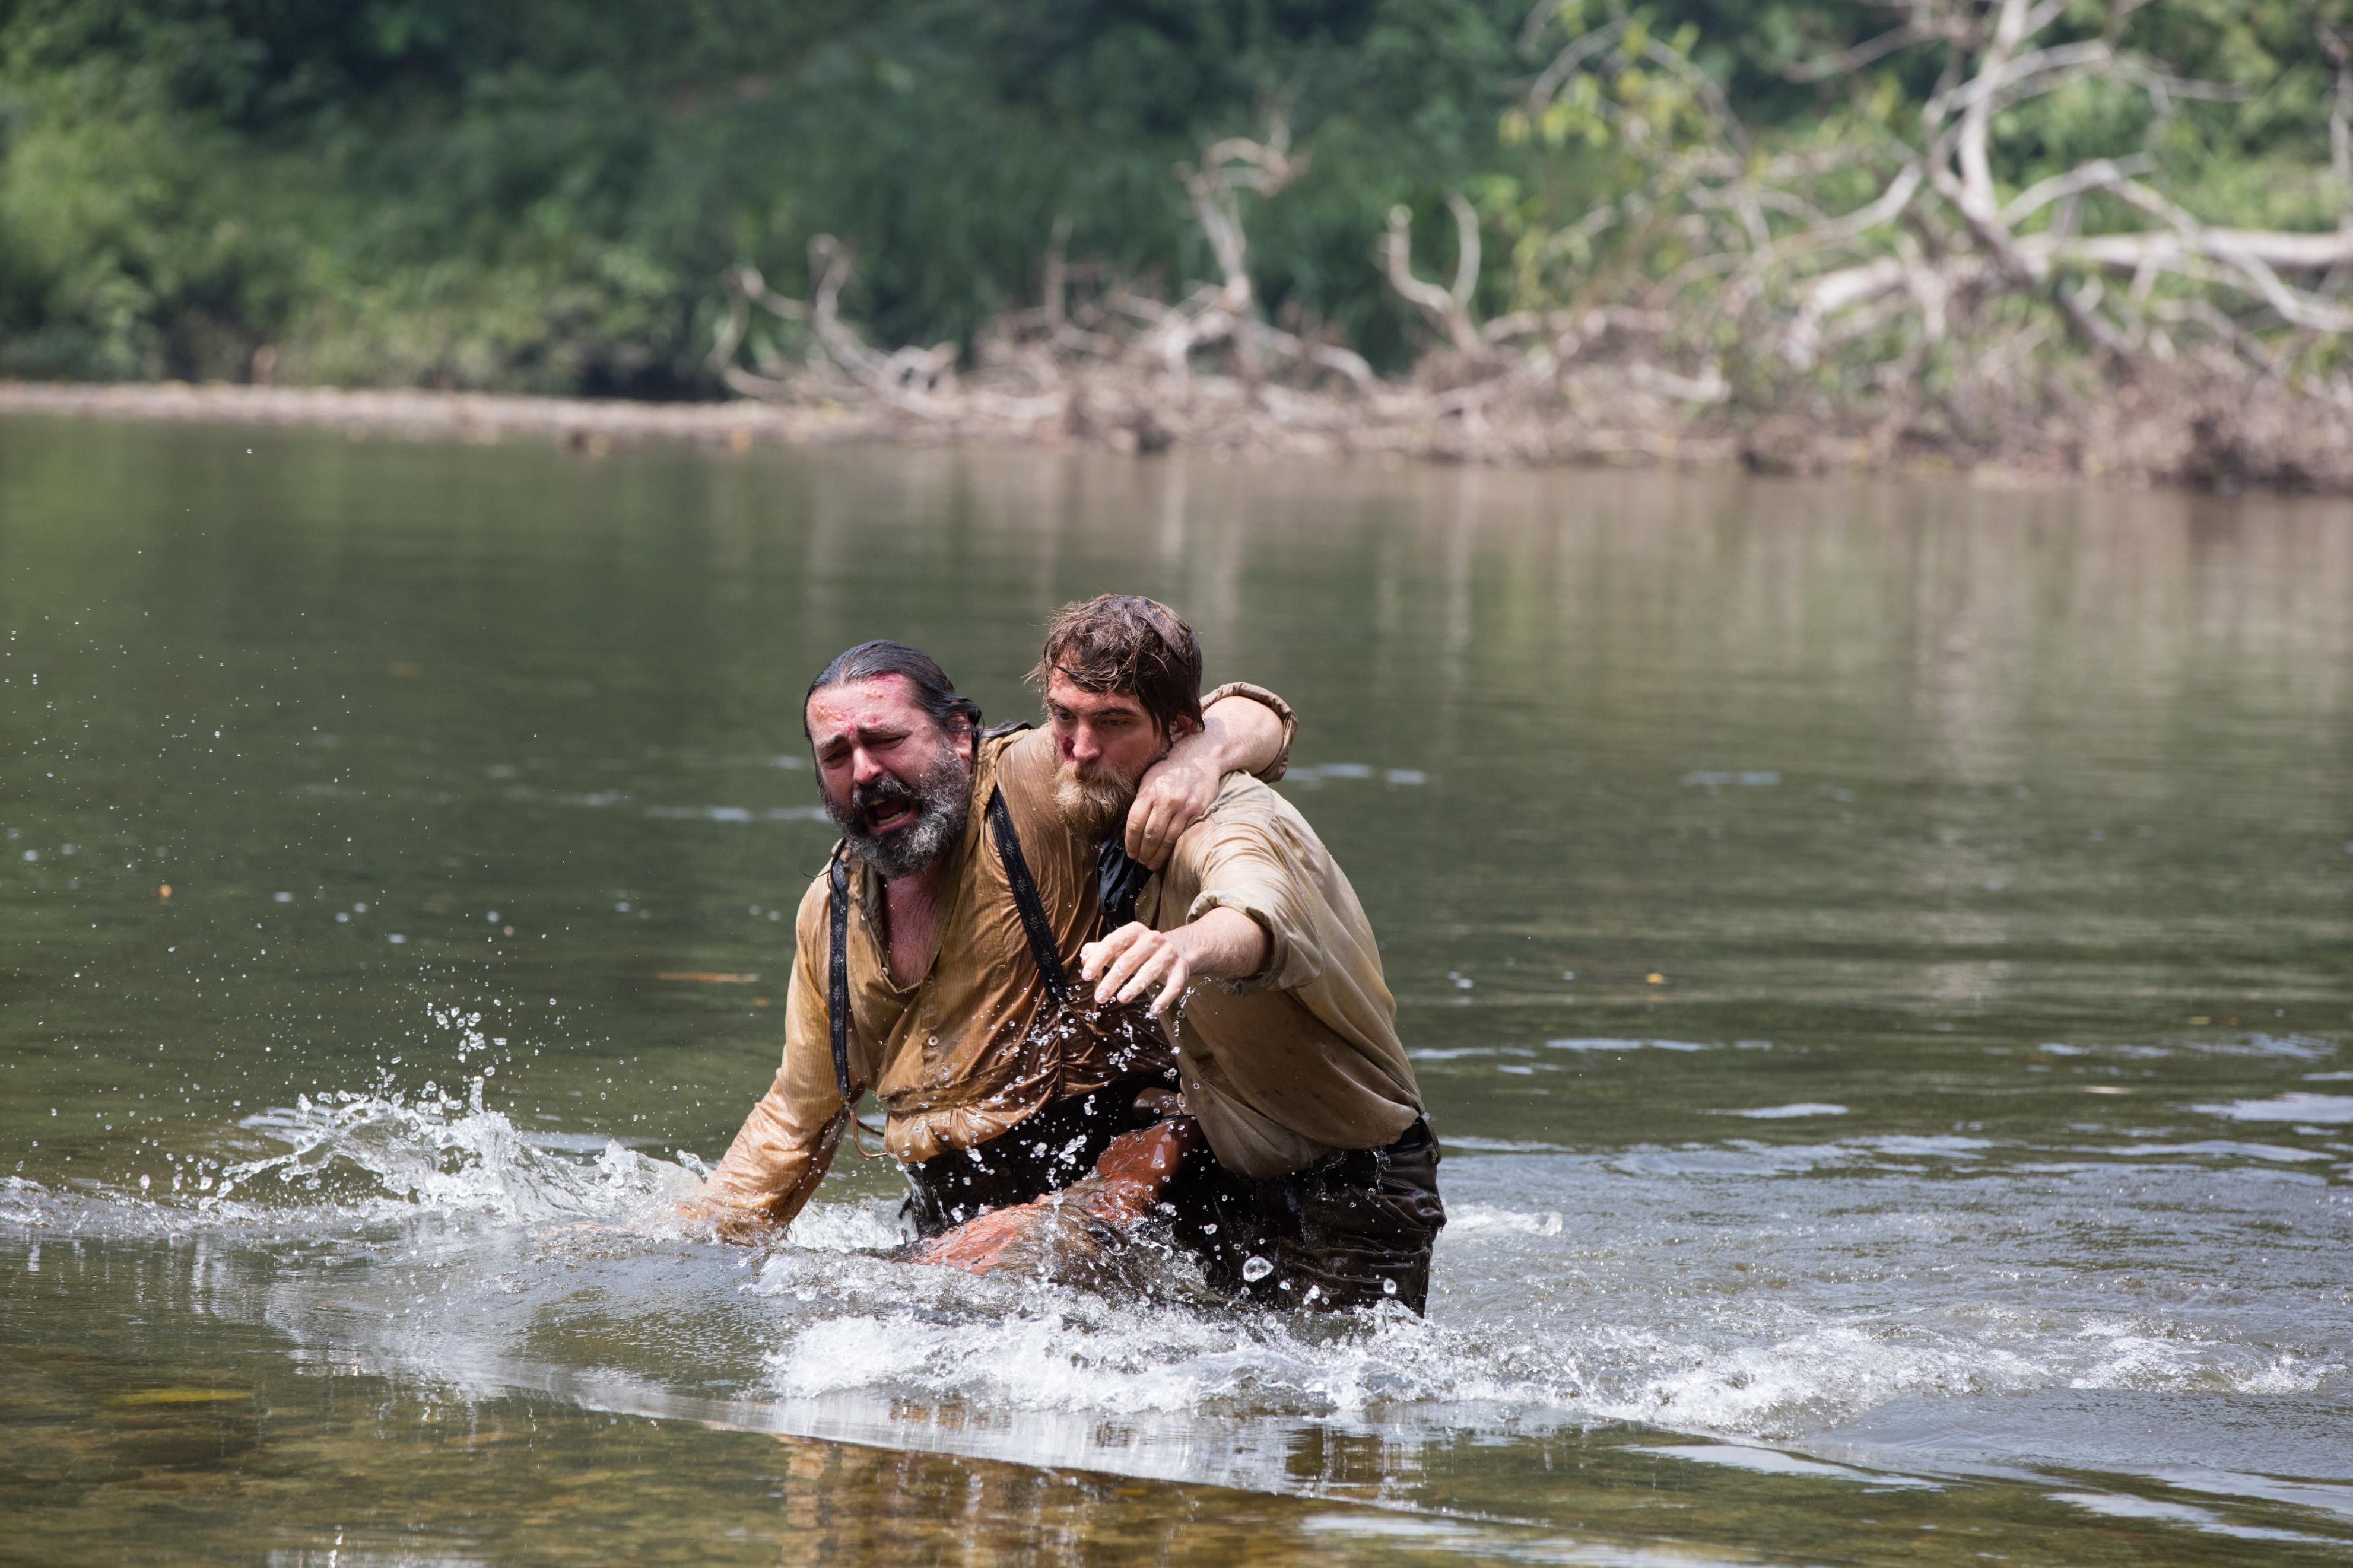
[
  {"x": 1282, "y": 710},
  {"x": 1256, "y": 866}
]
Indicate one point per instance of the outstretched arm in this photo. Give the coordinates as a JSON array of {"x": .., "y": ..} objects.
[
  {"x": 1243, "y": 730},
  {"x": 1223, "y": 944},
  {"x": 788, "y": 1140}
]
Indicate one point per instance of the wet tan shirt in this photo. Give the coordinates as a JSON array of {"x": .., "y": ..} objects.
[
  {"x": 978, "y": 1044},
  {"x": 1301, "y": 1058}
]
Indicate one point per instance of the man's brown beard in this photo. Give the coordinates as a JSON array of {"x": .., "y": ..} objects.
[{"x": 1092, "y": 799}]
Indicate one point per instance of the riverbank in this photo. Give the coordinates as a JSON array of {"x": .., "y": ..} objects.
[{"x": 2213, "y": 435}]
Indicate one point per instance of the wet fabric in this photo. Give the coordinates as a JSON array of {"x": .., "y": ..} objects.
[
  {"x": 1353, "y": 1230},
  {"x": 1052, "y": 1150},
  {"x": 978, "y": 1046},
  {"x": 1302, "y": 1059}
]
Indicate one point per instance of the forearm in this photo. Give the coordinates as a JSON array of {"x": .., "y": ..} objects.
[
  {"x": 1224, "y": 944},
  {"x": 1239, "y": 735},
  {"x": 773, "y": 1167}
]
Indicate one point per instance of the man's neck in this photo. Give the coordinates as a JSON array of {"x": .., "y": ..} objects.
[{"x": 911, "y": 907}]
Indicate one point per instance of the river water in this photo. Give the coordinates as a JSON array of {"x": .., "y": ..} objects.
[{"x": 1876, "y": 953}]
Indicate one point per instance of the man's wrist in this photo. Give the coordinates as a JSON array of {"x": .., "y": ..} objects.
[
  {"x": 1226, "y": 735},
  {"x": 1223, "y": 944}
]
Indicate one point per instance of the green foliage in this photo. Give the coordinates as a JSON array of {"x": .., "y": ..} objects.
[{"x": 540, "y": 194}]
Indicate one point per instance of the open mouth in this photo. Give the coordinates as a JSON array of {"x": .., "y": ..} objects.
[{"x": 889, "y": 816}]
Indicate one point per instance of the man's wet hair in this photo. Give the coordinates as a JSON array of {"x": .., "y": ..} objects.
[
  {"x": 935, "y": 694},
  {"x": 1128, "y": 643}
]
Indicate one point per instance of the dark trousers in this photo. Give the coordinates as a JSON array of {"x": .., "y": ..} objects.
[
  {"x": 1044, "y": 1155},
  {"x": 1353, "y": 1230}
]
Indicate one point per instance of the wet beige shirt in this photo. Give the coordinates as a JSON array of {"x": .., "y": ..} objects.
[
  {"x": 1301, "y": 1058},
  {"x": 978, "y": 1044}
]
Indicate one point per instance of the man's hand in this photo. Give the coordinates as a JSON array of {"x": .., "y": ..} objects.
[
  {"x": 1174, "y": 794},
  {"x": 728, "y": 1222},
  {"x": 1224, "y": 944},
  {"x": 1135, "y": 959},
  {"x": 1237, "y": 734}
]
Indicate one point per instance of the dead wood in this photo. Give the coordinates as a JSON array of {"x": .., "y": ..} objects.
[{"x": 1851, "y": 307}]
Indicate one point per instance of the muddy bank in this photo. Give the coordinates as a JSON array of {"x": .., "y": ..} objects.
[{"x": 2206, "y": 435}]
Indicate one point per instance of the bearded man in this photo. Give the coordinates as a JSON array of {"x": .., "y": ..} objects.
[
  {"x": 936, "y": 952},
  {"x": 1319, "y": 1184}
]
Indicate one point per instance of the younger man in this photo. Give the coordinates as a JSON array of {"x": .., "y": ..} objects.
[{"x": 1320, "y": 1185}]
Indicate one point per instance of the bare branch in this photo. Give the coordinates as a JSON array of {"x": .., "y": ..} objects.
[
  {"x": 1556, "y": 76},
  {"x": 1855, "y": 58},
  {"x": 1057, "y": 282},
  {"x": 2339, "y": 50},
  {"x": 1443, "y": 308},
  {"x": 2090, "y": 176},
  {"x": 1466, "y": 250},
  {"x": 1976, "y": 103}
]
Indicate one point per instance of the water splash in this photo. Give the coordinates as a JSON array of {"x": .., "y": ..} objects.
[{"x": 369, "y": 1154}]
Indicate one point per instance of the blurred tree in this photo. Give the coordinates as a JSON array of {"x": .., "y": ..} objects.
[{"x": 540, "y": 194}]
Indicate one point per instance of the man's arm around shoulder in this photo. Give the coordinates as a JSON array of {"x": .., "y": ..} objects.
[{"x": 1244, "y": 730}]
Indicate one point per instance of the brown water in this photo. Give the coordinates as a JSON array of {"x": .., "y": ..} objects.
[{"x": 1877, "y": 955}]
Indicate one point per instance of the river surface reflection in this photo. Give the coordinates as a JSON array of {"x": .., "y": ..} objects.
[{"x": 1876, "y": 954}]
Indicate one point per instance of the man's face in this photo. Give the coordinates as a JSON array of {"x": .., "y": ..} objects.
[
  {"x": 895, "y": 784},
  {"x": 1106, "y": 740}
]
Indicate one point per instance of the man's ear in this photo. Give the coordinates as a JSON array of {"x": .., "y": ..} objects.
[
  {"x": 1180, "y": 727},
  {"x": 963, "y": 730}
]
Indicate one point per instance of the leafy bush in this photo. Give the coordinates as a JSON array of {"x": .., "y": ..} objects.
[{"x": 540, "y": 194}]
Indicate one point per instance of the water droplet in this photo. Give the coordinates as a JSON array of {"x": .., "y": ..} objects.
[
  {"x": 1255, "y": 1270},
  {"x": 1388, "y": 1287}
]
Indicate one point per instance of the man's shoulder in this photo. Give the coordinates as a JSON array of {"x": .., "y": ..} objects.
[
  {"x": 813, "y": 901},
  {"x": 1016, "y": 746},
  {"x": 1247, "y": 808},
  {"x": 1244, "y": 797}
]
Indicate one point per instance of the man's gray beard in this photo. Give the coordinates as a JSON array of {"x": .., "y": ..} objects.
[
  {"x": 1094, "y": 803},
  {"x": 941, "y": 798}
]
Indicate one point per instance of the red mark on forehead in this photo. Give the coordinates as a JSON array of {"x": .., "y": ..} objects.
[{"x": 878, "y": 702}]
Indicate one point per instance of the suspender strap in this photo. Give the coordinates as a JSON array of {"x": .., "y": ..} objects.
[
  {"x": 837, "y": 975},
  {"x": 1034, "y": 923}
]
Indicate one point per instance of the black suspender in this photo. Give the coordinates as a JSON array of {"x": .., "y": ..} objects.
[
  {"x": 1034, "y": 924},
  {"x": 837, "y": 969},
  {"x": 837, "y": 984}
]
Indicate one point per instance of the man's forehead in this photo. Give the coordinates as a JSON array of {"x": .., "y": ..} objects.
[
  {"x": 862, "y": 704},
  {"x": 1061, "y": 690}
]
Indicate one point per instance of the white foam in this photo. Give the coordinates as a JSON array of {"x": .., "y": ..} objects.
[
  {"x": 367, "y": 1153},
  {"x": 1470, "y": 1219},
  {"x": 1007, "y": 1345},
  {"x": 846, "y": 1228},
  {"x": 1784, "y": 1112}
]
